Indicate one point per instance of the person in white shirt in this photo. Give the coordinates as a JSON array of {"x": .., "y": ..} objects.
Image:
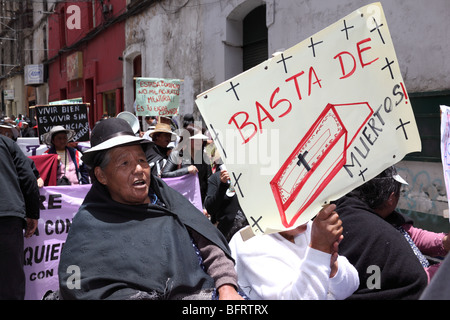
[{"x": 302, "y": 263}]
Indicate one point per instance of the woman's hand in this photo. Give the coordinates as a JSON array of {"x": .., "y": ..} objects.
[
  {"x": 326, "y": 229},
  {"x": 31, "y": 227},
  {"x": 192, "y": 169},
  {"x": 224, "y": 176},
  {"x": 228, "y": 292}
]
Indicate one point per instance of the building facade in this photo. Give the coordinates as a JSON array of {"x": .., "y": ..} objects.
[
  {"x": 86, "y": 41},
  {"x": 15, "y": 25}
]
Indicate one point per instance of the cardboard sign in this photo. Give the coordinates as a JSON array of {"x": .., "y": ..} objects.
[
  {"x": 70, "y": 116},
  {"x": 314, "y": 122},
  {"x": 157, "y": 97}
]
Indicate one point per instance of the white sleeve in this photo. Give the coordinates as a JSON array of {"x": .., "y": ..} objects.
[
  {"x": 345, "y": 282},
  {"x": 265, "y": 273},
  {"x": 309, "y": 282},
  {"x": 314, "y": 276}
]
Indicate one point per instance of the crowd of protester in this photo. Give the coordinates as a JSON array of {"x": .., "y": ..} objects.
[{"x": 358, "y": 247}]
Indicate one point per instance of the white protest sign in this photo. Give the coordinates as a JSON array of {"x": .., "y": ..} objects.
[
  {"x": 445, "y": 147},
  {"x": 42, "y": 251},
  {"x": 312, "y": 123}
]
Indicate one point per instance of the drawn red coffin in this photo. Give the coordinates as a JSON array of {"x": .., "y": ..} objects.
[{"x": 318, "y": 157}]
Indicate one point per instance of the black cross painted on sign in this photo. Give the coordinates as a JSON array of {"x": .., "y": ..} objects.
[
  {"x": 402, "y": 125},
  {"x": 346, "y": 29},
  {"x": 361, "y": 174},
  {"x": 302, "y": 161},
  {"x": 312, "y": 46},
  {"x": 388, "y": 65},
  {"x": 237, "y": 184},
  {"x": 377, "y": 27},
  {"x": 255, "y": 223},
  {"x": 283, "y": 59},
  {"x": 232, "y": 88},
  {"x": 216, "y": 138}
]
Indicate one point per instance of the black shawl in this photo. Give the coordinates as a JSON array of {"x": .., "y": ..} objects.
[
  {"x": 370, "y": 243},
  {"x": 123, "y": 250}
]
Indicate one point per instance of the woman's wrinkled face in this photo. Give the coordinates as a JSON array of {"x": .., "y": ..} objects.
[{"x": 127, "y": 175}]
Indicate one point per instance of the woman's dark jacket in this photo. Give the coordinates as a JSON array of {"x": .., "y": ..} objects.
[
  {"x": 20, "y": 193},
  {"x": 387, "y": 266}
]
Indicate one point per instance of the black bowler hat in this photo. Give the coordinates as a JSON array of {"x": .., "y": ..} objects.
[{"x": 110, "y": 133}]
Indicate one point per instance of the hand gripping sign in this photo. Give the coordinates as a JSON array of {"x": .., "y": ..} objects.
[{"x": 312, "y": 123}]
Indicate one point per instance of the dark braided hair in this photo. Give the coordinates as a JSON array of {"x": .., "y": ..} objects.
[{"x": 377, "y": 191}]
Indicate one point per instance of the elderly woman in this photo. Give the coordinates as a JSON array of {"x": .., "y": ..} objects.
[{"x": 136, "y": 238}]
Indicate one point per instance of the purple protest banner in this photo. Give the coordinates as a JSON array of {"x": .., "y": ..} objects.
[
  {"x": 189, "y": 186},
  {"x": 42, "y": 251}
]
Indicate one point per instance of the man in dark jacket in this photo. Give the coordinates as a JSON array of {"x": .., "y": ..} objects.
[
  {"x": 223, "y": 205},
  {"x": 19, "y": 208},
  {"x": 158, "y": 151},
  {"x": 387, "y": 266}
]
